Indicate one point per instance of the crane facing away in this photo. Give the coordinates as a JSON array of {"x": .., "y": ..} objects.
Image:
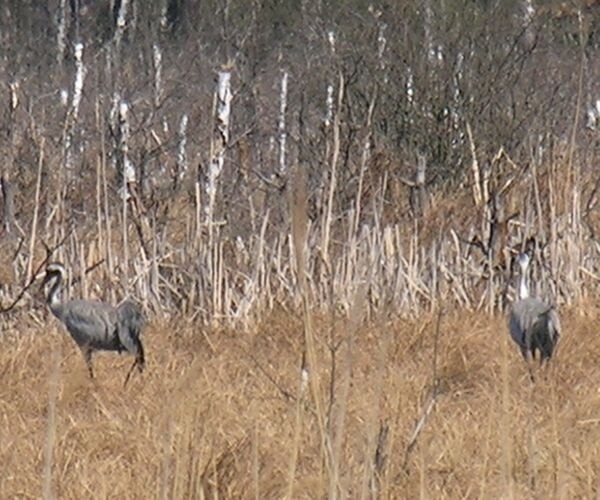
[
  {"x": 533, "y": 324},
  {"x": 95, "y": 325}
]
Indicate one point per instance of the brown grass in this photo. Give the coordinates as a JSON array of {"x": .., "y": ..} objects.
[{"x": 210, "y": 418}]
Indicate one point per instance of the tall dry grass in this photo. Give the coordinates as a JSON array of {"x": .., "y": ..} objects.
[{"x": 216, "y": 415}]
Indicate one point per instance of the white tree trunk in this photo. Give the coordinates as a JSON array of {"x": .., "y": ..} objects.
[
  {"x": 125, "y": 170},
  {"x": 61, "y": 32},
  {"x": 282, "y": 130},
  {"x": 182, "y": 161},
  {"x": 157, "y": 74},
  {"x": 73, "y": 112},
  {"x": 121, "y": 23},
  {"x": 221, "y": 140}
]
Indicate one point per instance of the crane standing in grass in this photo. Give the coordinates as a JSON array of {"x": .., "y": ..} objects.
[
  {"x": 94, "y": 325},
  {"x": 533, "y": 324}
]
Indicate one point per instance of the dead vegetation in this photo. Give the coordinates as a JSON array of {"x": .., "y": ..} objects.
[
  {"x": 215, "y": 414},
  {"x": 325, "y": 275}
]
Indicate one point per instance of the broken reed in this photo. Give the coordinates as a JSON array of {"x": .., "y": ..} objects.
[{"x": 410, "y": 270}]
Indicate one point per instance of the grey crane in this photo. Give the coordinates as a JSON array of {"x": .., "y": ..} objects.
[
  {"x": 95, "y": 325},
  {"x": 533, "y": 324}
]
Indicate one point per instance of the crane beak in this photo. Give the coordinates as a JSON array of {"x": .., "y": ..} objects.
[
  {"x": 47, "y": 278},
  {"x": 40, "y": 295}
]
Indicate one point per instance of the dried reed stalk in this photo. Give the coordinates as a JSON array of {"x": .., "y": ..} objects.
[
  {"x": 36, "y": 210},
  {"x": 47, "y": 490},
  {"x": 434, "y": 391},
  {"x": 299, "y": 216},
  {"x": 505, "y": 427},
  {"x": 477, "y": 196},
  {"x": 298, "y": 424},
  {"x": 338, "y": 428}
]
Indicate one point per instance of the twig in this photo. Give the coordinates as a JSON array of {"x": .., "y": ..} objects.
[
  {"x": 87, "y": 271},
  {"x": 49, "y": 252},
  {"x": 285, "y": 393}
]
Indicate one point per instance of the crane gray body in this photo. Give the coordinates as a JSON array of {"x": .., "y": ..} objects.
[
  {"x": 535, "y": 327},
  {"x": 95, "y": 325},
  {"x": 533, "y": 324}
]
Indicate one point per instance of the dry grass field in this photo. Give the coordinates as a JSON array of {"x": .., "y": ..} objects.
[{"x": 218, "y": 414}]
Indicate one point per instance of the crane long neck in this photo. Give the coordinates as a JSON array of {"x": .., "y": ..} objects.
[
  {"x": 53, "y": 299},
  {"x": 523, "y": 290}
]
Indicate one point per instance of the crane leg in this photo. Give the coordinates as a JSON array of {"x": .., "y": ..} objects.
[
  {"x": 87, "y": 356},
  {"x": 129, "y": 373},
  {"x": 139, "y": 362},
  {"x": 530, "y": 370},
  {"x": 545, "y": 366},
  {"x": 529, "y": 357}
]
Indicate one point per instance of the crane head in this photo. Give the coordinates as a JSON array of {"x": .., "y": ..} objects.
[
  {"x": 523, "y": 259},
  {"x": 54, "y": 270}
]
